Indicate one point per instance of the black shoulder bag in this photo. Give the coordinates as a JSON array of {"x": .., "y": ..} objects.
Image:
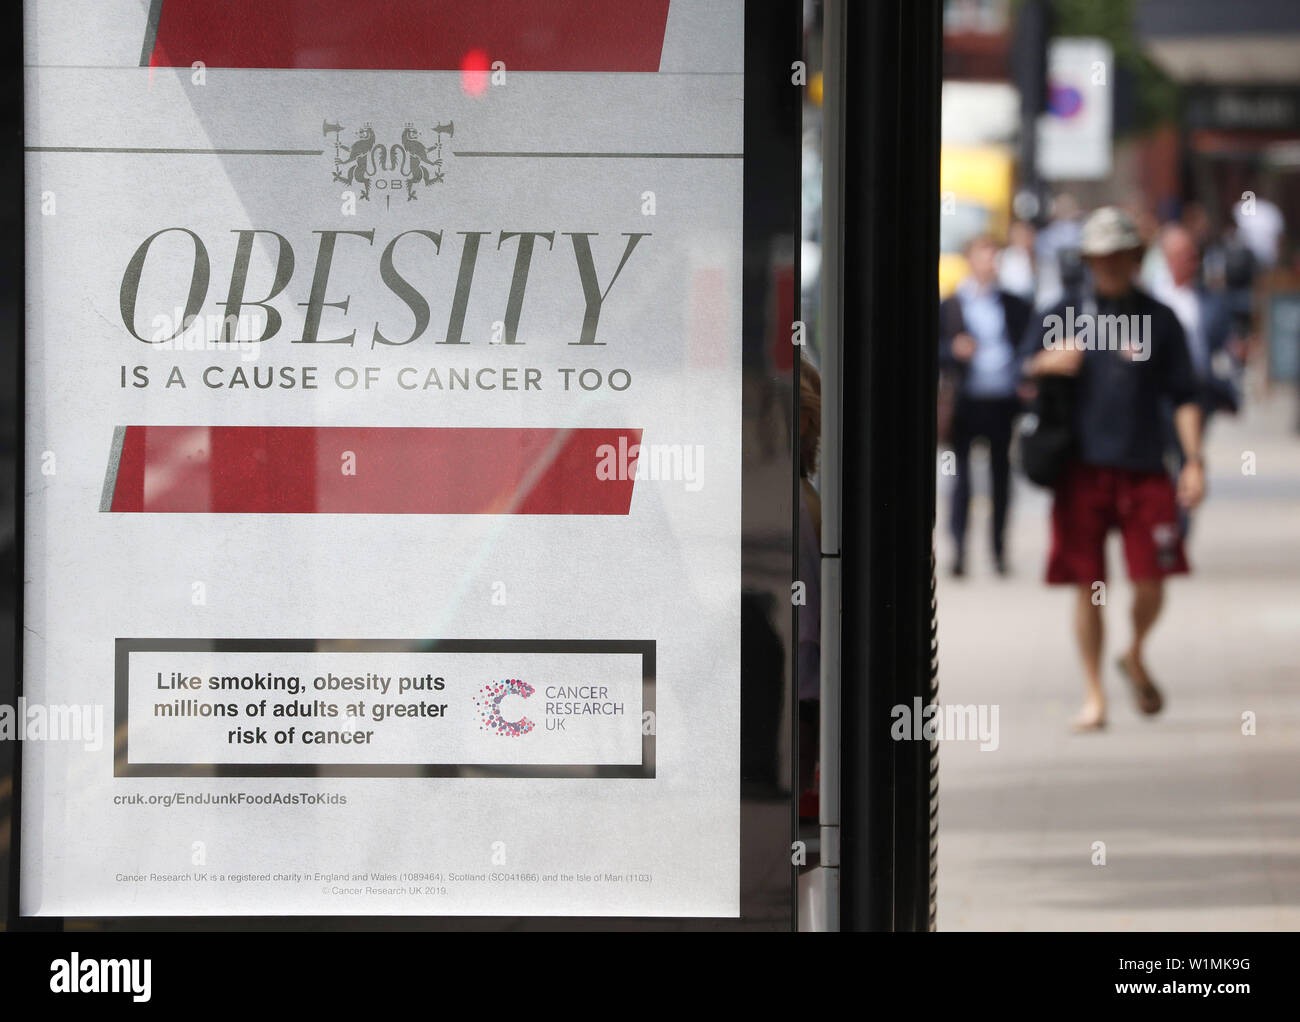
[{"x": 1046, "y": 432}]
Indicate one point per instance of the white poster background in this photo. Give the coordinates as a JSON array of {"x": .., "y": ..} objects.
[{"x": 668, "y": 572}]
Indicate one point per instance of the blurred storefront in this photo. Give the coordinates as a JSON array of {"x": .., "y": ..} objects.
[{"x": 1239, "y": 128}]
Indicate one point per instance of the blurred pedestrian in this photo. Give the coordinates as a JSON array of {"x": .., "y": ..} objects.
[
  {"x": 1058, "y": 245},
  {"x": 1116, "y": 478},
  {"x": 1229, "y": 269},
  {"x": 1016, "y": 262},
  {"x": 1204, "y": 317},
  {"x": 1262, "y": 227},
  {"x": 979, "y": 327},
  {"x": 1155, "y": 271}
]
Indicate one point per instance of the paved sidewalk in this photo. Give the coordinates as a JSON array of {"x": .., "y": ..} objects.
[{"x": 1201, "y": 823}]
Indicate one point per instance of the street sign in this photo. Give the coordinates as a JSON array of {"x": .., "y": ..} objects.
[{"x": 1074, "y": 136}]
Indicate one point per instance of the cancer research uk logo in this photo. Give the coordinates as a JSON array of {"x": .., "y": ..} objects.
[
  {"x": 489, "y": 701},
  {"x": 561, "y": 704},
  {"x": 415, "y": 160}
]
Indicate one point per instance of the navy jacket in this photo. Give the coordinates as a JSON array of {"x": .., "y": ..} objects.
[
  {"x": 1121, "y": 403},
  {"x": 1016, "y": 310}
]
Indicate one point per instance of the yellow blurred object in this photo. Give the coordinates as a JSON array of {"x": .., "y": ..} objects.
[
  {"x": 975, "y": 190},
  {"x": 815, "y": 88},
  {"x": 952, "y": 271}
]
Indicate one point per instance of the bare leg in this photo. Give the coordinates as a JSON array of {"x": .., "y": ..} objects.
[
  {"x": 1088, "y": 630},
  {"x": 1148, "y": 598}
]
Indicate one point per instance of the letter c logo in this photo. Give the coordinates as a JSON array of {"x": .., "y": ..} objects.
[{"x": 489, "y": 707}]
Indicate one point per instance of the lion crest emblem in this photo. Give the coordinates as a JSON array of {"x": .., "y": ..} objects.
[{"x": 413, "y": 162}]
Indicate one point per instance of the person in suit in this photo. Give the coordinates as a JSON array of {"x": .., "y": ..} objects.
[
  {"x": 1204, "y": 315},
  {"x": 979, "y": 329},
  {"x": 1206, "y": 320}
]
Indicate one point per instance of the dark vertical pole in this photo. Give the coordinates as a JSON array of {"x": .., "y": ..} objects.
[
  {"x": 1029, "y": 74},
  {"x": 891, "y": 211},
  {"x": 772, "y": 175},
  {"x": 12, "y": 399}
]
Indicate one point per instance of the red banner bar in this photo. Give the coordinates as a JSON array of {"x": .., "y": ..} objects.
[
  {"x": 424, "y": 35},
  {"x": 371, "y": 470}
]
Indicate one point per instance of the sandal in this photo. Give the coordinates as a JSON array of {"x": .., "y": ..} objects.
[{"x": 1148, "y": 697}]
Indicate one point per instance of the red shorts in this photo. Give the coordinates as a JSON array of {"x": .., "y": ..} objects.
[{"x": 1090, "y": 501}]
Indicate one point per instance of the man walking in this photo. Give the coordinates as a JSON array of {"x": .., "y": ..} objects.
[
  {"x": 1127, "y": 356},
  {"x": 980, "y": 327},
  {"x": 1205, "y": 318},
  {"x": 1207, "y": 328}
]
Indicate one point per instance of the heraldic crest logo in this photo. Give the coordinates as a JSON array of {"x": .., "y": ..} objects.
[{"x": 410, "y": 163}]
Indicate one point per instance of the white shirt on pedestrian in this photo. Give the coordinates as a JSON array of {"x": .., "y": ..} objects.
[{"x": 1186, "y": 304}]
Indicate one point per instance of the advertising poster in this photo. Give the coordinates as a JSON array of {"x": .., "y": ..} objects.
[{"x": 383, "y": 475}]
